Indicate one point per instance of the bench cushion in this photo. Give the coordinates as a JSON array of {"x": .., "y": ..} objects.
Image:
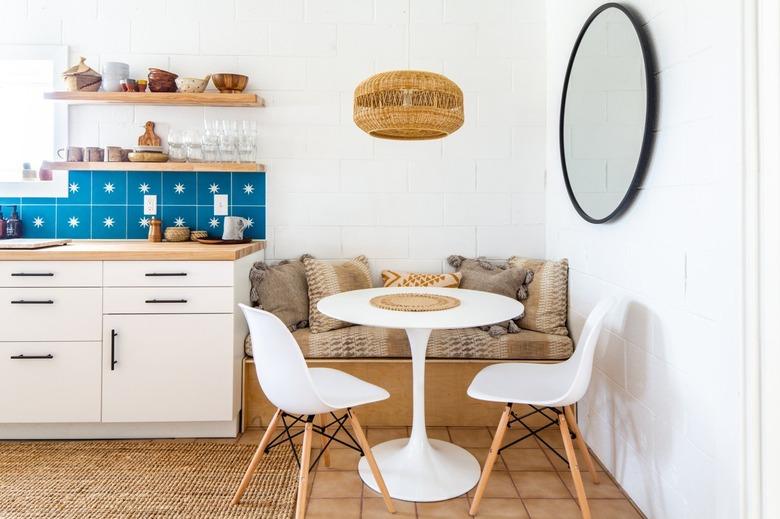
[{"x": 467, "y": 343}]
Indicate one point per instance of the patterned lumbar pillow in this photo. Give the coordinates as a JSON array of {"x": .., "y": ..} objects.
[
  {"x": 506, "y": 280},
  {"x": 547, "y": 303},
  {"x": 326, "y": 279},
  {"x": 282, "y": 290},
  {"x": 391, "y": 278}
]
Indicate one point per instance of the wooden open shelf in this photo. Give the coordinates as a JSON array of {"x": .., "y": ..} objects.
[
  {"x": 156, "y": 166},
  {"x": 158, "y": 98}
]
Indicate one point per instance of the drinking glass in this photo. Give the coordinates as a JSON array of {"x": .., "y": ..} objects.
[
  {"x": 247, "y": 141},
  {"x": 228, "y": 146},
  {"x": 210, "y": 141},
  {"x": 194, "y": 141},
  {"x": 176, "y": 146}
]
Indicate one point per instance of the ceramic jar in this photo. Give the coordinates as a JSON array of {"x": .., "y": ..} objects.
[{"x": 113, "y": 74}]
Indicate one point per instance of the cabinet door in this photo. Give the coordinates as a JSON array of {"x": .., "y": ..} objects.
[{"x": 168, "y": 368}]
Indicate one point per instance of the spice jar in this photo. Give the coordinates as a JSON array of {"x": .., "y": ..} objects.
[{"x": 155, "y": 230}]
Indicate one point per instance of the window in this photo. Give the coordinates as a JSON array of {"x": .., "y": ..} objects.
[{"x": 32, "y": 128}]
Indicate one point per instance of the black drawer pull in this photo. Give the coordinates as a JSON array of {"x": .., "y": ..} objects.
[
  {"x": 113, "y": 349},
  {"x": 24, "y": 302},
  {"x": 32, "y": 274},
  {"x": 159, "y": 301},
  {"x": 165, "y": 274},
  {"x": 31, "y": 357}
]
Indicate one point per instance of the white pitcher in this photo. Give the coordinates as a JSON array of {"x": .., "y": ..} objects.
[{"x": 234, "y": 228}]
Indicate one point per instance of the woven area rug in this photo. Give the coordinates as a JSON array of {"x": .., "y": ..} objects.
[{"x": 149, "y": 479}]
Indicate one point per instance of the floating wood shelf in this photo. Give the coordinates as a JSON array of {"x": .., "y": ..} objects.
[
  {"x": 158, "y": 98},
  {"x": 235, "y": 167}
]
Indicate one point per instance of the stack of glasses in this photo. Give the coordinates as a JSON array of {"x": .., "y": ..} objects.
[{"x": 219, "y": 141}]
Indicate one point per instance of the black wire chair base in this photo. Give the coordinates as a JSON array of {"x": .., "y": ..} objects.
[
  {"x": 286, "y": 436},
  {"x": 552, "y": 420}
]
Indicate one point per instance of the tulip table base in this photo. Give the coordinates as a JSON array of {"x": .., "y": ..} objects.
[{"x": 418, "y": 468}]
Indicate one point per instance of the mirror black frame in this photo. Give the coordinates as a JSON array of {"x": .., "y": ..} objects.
[{"x": 650, "y": 114}]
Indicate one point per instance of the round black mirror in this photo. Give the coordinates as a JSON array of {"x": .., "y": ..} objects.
[{"x": 608, "y": 112}]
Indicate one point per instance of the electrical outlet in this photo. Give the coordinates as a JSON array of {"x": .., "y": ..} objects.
[
  {"x": 220, "y": 205},
  {"x": 150, "y": 204}
]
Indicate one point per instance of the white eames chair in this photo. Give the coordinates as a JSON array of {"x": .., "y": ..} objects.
[
  {"x": 301, "y": 394},
  {"x": 550, "y": 390}
]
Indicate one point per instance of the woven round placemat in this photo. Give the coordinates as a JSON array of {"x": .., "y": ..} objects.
[
  {"x": 415, "y": 302},
  {"x": 142, "y": 479}
]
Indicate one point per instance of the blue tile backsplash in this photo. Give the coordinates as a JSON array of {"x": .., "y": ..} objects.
[{"x": 109, "y": 204}]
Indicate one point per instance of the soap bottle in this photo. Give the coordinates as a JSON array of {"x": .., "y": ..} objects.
[
  {"x": 13, "y": 225},
  {"x": 2, "y": 225}
]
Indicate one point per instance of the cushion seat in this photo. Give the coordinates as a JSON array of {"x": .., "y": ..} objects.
[{"x": 356, "y": 342}]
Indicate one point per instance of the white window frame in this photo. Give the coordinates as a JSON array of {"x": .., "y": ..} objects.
[{"x": 58, "y": 55}]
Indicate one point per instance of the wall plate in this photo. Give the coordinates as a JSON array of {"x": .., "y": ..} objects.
[
  {"x": 150, "y": 205},
  {"x": 220, "y": 205}
]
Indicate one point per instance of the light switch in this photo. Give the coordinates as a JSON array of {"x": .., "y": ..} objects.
[
  {"x": 150, "y": 204},
  {"x": 220, "y": 205}
]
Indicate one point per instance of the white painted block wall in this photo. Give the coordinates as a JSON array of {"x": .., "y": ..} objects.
[
  {"x": 663, "y": 411},
  {"x": 332, "y": 190}
]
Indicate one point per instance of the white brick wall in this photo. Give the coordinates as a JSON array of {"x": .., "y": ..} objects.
[
  {"x": 332, "y": 190},
  {"x": 663, "y": 409}
]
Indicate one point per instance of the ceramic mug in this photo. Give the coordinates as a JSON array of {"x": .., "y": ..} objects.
[
  {"x": 93, "y": 154},
  {"x": 114, "y": 154},
  {"x": 73, "y": 154},
  {"x": 234, "y": 228}
]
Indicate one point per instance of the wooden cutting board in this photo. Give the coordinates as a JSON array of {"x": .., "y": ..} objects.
[{"x": 30, "y": 243}]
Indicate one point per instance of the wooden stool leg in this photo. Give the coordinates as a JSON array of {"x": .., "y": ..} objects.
[
  {"x": 490, "y": 461},
  {"x": 361, "y": 438},
  {"x": 575, "y": 469},
  {"x": 269, "y": 432},
  {"x": 303, "y": 475},
  {"x": 325, "y": 453},
  {"x": 581, "y": 443}
]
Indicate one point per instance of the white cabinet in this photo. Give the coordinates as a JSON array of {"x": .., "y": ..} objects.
[
  {"x": 167, "y": 368},
  {"x": 50, "y": 314}
]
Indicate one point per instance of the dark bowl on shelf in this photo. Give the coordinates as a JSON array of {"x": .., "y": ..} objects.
[{"x": 162, "y": 80}]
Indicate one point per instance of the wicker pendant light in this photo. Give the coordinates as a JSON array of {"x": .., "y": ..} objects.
[{"x": 408, "y": 105}]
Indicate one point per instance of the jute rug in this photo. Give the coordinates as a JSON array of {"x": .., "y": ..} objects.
[{"x": 143, "y": 479}]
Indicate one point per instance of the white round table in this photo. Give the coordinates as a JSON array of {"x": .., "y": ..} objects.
[{"x": 418, "y": 468}]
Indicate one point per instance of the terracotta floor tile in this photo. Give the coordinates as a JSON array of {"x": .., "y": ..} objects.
[
  {"x": 553, "y": 437},
  {"x": 612, "y": 509},
  {"x": 331, "y": 508},
  {"x": 526, "y": 459},
  {"x": 516, "y": 432},
  {"x": 499, "y": 485},
  {"x": 539, "y": 485},
  {"x": 330, "y": 484},
  {"x": 457, "y": 508},
  {"x": 501, "y": 508},
  {"x": 340, "y": 459},
  {"x": 377, "y": 435},
  {"x": 470, "y": 436},
  {"x": 374, "y": 508},
  {"x": 552, "y": 508},
  {"x": 604, "y": 490},
  {"x": 481, "y": 455}
]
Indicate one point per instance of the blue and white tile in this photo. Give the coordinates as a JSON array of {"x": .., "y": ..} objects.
[
  {"x": 256, "y": 216},
  {"x": 140, "y": 183},
  {"x": 39, "y": 221},
  {"x": 210, "y": 184},
  {"x": 178, "y": 189},
  {"x": 79, "y": 189},
  {"x": 9, "y": 201},
  {"x": 109, "y": 222},
  {"x": 209, "y": 222},
  {"x": 73, "y": 221},
  {"x": 109, "y": 187},
  {"x": 39, "y": 201},
  {"x": 138, "y": 222},
  {"x": 179, "y": 216},
  {"x": 248, "y": 189}
]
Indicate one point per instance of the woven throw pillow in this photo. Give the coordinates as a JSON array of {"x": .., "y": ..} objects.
[
  {"x": 282, "y": 290},
  {"x": 505, "y": 280},
  {"x": 326, "y": 279},
  {"x": 547, "y": 303},
  {"x": 391, "y": 278}
]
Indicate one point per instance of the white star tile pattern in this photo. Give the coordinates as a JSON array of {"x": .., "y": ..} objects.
[
  {"x": 144, "y": 222},
  {"x": 179, "y": 222},
  {"x": 179, "y": 188},
  {"x": 73, "y": 187},
  {"x": 38, "y": 222},
  {"x": 73, "y": 222},
  {"x": 214, "y": 223},
  {"x": 249, "y": 189},
  {"x": 109, "y": 187},
  {"x": 214, "y": 188},
  {"x": 108, "y": 222},
  {"x": 144, "y": 188}
]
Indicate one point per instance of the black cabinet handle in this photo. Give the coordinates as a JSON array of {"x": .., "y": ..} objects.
[
  {"x": 25, "y": 302},
  {"x": 159, "y": 301},
  {"x": 165, "y": 274},
  {"x": 113, "y": 349},
  {"x": 32, "y": 274},
  {"x": 31, "y": 357}
]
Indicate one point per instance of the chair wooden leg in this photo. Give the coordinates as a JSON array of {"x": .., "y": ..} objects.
[
  {"x": 581, "y": 443},
  {"x": 575, "y": 469},
  {"x": 361, "y": 438},
  {"x": 498, "y": 439},
  {"x": 269, "y": 432},
  {"x": 303, "y": 475},
  {"x": 325, "y": 453}
]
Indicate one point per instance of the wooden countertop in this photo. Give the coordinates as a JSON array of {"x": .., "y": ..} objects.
[{"x": 96, "y": 250}]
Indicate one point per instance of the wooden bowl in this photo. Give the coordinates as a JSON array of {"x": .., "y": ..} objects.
[{"x": 230, "y": 83}]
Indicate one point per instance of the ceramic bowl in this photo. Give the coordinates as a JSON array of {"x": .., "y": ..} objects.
[
  {"x": 162, "y": 80},
  {"x": 192, "y": 85},
  {"x": 230, "y": 83}
]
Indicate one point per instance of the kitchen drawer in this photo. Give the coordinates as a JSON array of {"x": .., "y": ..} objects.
[
  {"x": 167, "y": 300},
  {"x": 50, "y": 314},
  {"x": 50, "y": 274},
  {"x": 168, "y": 273},
  {"x": 63, "y": 386}
]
